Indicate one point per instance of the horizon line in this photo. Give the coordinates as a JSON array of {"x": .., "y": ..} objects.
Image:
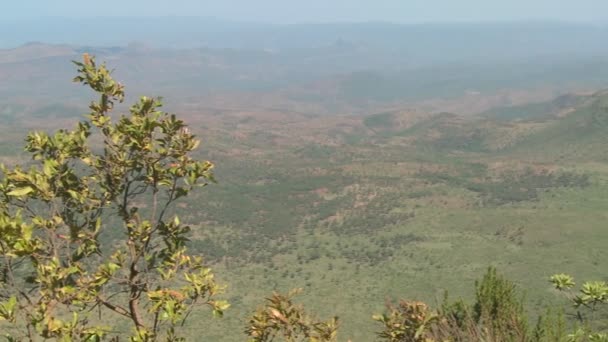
[{"x": 321, "y": 22}]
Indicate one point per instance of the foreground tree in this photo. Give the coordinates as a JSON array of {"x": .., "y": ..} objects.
[
  {"x": 88, "y": 230},
  {"x": 588, "y": 301}
]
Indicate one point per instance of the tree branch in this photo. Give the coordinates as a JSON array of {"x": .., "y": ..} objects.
[{"x": 118, "y": 309}]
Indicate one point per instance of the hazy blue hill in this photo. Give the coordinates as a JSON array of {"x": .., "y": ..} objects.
[
  {"x": 415, "y": 44},
  {"x": 343, "y": 67},
  {"x": 453, "y": 80},
  {"x": 579, "y": 136},
  {"x": 570, "y": 127},
  {"x": 537, "y": 110},
  {"x": 34, "y": 51}
]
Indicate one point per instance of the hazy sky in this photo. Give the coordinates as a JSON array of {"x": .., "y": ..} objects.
[{"x": 292, "y": 11}]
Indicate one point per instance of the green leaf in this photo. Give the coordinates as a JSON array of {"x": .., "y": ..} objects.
[
  {"x": 49, "y": 167},
  {"x": 378, "y": 318},
  {"x": 21, "y": 191},
  {"x": 562, "y": 281},
  {"x": 27, "y": 232}
]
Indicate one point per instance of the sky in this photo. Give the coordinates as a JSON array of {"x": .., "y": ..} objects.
[{"x": 307, "y": 11}]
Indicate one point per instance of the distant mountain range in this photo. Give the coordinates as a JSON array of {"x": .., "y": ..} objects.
[
  {"x": 418, "y": 44},
  {"x": 340, "y": 77}
]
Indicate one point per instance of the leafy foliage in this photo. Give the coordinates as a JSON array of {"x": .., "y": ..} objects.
[
  {"x": 496, "y": 315},
  {"x": 550, "y": 327},
  {"x": 282, "y": 319},
  {"x": 588, "y": 300},
  {"x": 57, "y": 270},
  {"x": 406, "y": 321},
  {"x": 498, "y": 307}
]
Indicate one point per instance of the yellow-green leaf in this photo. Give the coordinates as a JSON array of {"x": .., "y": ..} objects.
[{"x": 21, "y": 191}]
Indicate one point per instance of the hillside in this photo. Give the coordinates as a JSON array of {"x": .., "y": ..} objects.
[
  {"x": 330, "y": 79},
  {"x": 402, "y": 203},
  {"x": 397, "y": 205},
  {"x": 353, "y": 195}
]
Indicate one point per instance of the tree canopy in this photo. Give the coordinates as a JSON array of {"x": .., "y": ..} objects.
[{"x": 60, "y": 267}]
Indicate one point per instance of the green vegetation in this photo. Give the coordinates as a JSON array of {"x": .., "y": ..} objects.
[
  {"x": 496, "y": 315},
  {"x": 353, "y": 210},
  {"x": 382, "y": 120},
  {"x": 512, "y": 187},
  {"x": 589, "y": 302},
  {"x": 57, "y": 270},
  {"x": 536, "y": 111},
  {"x": 282, "y": 319}
]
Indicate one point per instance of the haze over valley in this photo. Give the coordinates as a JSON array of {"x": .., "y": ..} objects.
[{"x": 360, "y": 161}]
